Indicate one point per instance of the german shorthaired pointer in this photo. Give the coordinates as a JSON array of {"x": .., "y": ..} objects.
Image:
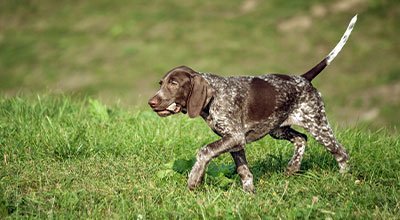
[{"x": 244, "y": 109}]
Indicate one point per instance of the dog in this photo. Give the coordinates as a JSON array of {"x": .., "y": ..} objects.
[{"x": 245, "y": 109}]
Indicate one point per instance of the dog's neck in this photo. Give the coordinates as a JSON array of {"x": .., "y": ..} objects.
[{"x": 206, "y": 110}]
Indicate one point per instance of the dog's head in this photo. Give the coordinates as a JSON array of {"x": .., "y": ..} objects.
[{"x": 181, "y": 90}]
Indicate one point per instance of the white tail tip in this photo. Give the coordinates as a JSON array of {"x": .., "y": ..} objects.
[{"x": 342, "y": 41}]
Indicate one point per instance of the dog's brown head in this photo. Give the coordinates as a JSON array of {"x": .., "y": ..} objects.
[{"x": 182, "y": 90}]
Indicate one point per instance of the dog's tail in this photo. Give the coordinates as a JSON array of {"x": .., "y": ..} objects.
[{"x": 312, "y": 73}]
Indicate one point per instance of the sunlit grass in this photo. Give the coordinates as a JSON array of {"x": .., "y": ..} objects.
[
  {"x": 73, "y": 158},
  {"x": 118, "y": 50}
]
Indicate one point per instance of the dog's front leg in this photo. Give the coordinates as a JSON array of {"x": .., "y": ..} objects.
[
  {"x": 243, "y": 170},
  {"x": 207, "y": 153}
]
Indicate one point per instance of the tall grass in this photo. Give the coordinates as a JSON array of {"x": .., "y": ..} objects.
[{"x": 71, "y": 158}]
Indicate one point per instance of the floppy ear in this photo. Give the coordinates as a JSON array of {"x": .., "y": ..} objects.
[{"x": 198, "y": 96}]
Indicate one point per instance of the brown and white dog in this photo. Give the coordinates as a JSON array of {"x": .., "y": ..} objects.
[{"x": 244, "y": 109}]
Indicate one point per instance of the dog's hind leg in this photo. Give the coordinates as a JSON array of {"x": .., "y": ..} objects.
[
  {"x": 298, "y": 139},
  {"x": 311, "y": 116},
  {"x": 323, "y": 133}
]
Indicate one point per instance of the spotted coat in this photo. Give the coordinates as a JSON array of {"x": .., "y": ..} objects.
[
  {"x": 244, "y": 109},
  {"x": 229, "y": 114}
]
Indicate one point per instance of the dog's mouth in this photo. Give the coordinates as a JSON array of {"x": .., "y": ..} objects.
[{"x": 173, "y": 108}]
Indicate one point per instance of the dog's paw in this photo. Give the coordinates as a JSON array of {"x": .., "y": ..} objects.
[
  {"x": 192, "y": 186},
  {"x": 248, "y": 186},
  {"x": 344, "y": 168},
  {"x": 291, "y": 170},
  {"x": 195, "y": 176}
]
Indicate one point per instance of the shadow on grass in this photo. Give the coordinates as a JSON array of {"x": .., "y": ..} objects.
[
  {"x": 270, "y": 164},
  {"x": 322, "y": 160},
  {"x": 224, "y": 175},
  {"x": 221, "y": 175},
  {"x": 183, "y": 166}
]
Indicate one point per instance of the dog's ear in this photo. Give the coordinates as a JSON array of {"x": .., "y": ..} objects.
[{"x": 198, "y": 96}]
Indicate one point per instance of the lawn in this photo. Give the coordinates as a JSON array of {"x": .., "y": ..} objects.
[
  {"x": 77, "y": 139},
  {"x": 116, "y": 51},
  {"x": 72, "y": 158}
]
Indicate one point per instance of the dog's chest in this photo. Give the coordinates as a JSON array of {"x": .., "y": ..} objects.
[{"x": 226, "y": 111}]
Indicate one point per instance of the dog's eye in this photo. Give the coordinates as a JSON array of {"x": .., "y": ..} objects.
[
  {"x": 160, "y": 83},
  {"x": 173, "y": 82}
]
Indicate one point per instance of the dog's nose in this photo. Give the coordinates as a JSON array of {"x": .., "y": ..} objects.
[{"x": 153, "y": 102}]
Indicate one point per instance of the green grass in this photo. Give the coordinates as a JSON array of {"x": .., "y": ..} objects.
[
  {"x": 65, "y": 157},
  {"x": 68, "y": 156},
  {"x": 118, "y": 50}
]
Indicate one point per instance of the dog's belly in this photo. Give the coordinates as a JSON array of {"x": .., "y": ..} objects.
[{"x": 256, "y": 131}]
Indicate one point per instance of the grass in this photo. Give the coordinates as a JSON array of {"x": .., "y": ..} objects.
[
  {"x": 108, "y": 49},
  {"x": 67, "y": 157}
]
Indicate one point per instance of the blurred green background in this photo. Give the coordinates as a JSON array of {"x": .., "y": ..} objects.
[{"x": 116, "y": 51}]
